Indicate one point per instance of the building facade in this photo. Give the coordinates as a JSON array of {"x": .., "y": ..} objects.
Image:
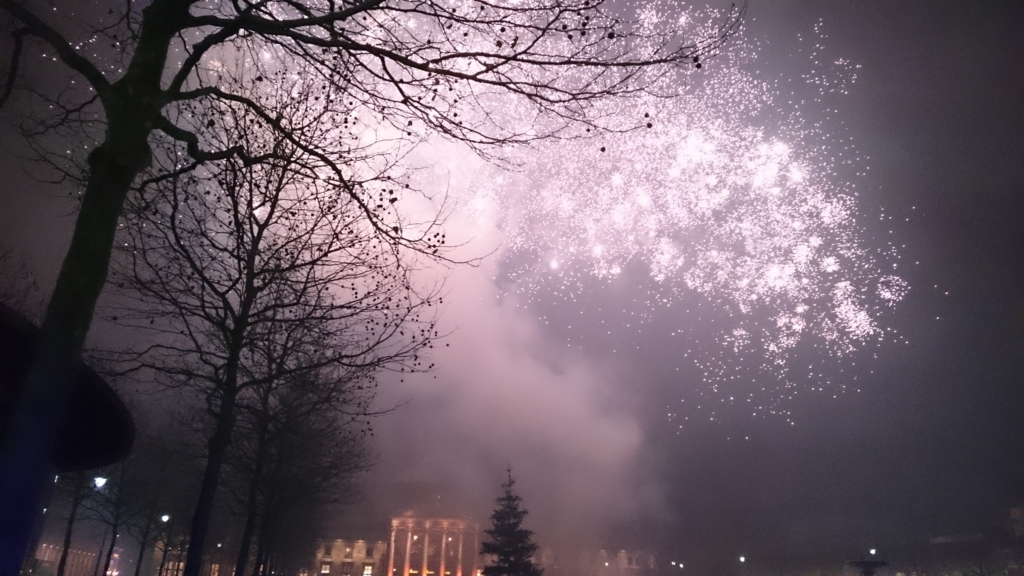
[
  {"x": 432, "y": 547},
  {"x": 416, "y": 547},
  {"x": 350, "y": 558},
  {"x": 439, "y": 546}
]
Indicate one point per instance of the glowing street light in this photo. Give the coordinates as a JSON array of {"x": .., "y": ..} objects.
[
  {"x": 873, "y": 551},
  {"x": 99, "y": 481},
  {"x": 743, "y": 559},
  {"x": 165, "y": 518}
]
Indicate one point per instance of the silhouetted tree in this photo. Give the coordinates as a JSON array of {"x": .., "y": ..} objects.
[
  {"x": 110, "y": 505},
  {"x": 298, "y": 447},
  {"x": 74, "y": 486},
  {"x": 254, "y": 276},
  {"x": 509, "y": 543},
  {"x": 311, "y": 467},
  {"x": 159, "y": 479},
  {"x": 145, "y": 66}
]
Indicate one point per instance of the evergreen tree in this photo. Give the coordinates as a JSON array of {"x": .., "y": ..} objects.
[{"x": 510, "y": 543}]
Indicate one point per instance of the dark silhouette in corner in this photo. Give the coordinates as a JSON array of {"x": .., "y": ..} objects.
[{"x": 97, "y": 429}]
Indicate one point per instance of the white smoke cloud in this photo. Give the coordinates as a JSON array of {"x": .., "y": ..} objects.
[{"x": 503, "y": 395}]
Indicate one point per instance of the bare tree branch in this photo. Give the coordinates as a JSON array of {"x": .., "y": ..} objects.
[
  {"x": 12, "y": 73},
  {"x": 36, "y": 27}
]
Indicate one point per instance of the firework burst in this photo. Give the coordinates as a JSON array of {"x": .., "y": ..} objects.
[{"x": 728, "y": 192}]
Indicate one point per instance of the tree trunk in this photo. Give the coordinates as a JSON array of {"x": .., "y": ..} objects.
[
  {"x": 261, "y": 547},
  {"x": 163, "y": 555},
  {"x": 216, "y": 449},
  {"x": 76, "y": 500},
  {"x": 250, "y": 526},
  {"x": 99, "y": 555},
  {"x": 221, "y": 439},
  {"x": 110, "y": 551},
  {"x": 28, "y": 442},
  {"x": 251, "y": 512},
  {"x": 129, "y": 105},
  {"x": 143, "y": 542}
]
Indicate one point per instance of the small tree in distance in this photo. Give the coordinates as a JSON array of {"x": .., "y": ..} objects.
[{"x": 511, "y": 545}]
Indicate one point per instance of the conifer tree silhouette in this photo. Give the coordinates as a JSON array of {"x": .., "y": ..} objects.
[{"x": 510, "y": 543}]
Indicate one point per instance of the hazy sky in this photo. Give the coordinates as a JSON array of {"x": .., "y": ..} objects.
[{"x": 931, "y": 444}]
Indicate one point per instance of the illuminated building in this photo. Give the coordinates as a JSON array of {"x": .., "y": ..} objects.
[
  {"x": 350, "y": 558},
  {"x": 432, "y": 547},
  {"x": 439, "y": 546},
  {"x": 417, "y": 547}
]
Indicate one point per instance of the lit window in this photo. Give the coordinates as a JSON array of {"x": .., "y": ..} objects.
[
  {"x": 368, "y": 570},
  {"x": 325, "y": 568}
]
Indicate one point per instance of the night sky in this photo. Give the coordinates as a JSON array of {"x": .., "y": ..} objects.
[
  {"x": 601, "y": 430},
  {"x": 931, "y": 444}
]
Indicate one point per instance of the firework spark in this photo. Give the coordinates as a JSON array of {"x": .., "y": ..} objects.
[
  {"x": 727, "y": 191},
  {"x": 720, "y": 184}
]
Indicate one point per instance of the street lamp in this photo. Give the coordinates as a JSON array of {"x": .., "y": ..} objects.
[
  {"x": 99, "y": 481},
  {"x": 165, "y": 518},
  {"x": 873, "y": 551},
  {"x": 743, "y": 559}
]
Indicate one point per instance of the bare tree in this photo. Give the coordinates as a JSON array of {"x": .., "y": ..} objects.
[
  {"x": 336, "y": 408},
  {"x": 309, "y": 471},
  {"x": 111, "y": 505},
  {"x": 422, "y": 61},
  {"x": 250, "y": 276},
  {"x": 159, "y": 477},
  {"x": 300, "y": 445},
  {"x": 75, "y": 488},
  {"x": 145, "y": 526}
]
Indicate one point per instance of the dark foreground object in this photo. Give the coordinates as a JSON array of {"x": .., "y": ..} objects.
[{"x": 97, "y": 429}]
